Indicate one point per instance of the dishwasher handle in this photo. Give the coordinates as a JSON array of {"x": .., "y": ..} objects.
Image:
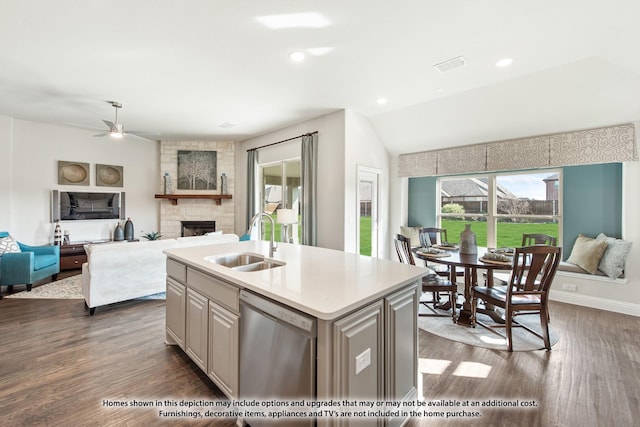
[{"x": 279, "y": 312}]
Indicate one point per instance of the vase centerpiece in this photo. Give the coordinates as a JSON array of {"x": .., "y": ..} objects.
[{"x": 468, "y": 244}]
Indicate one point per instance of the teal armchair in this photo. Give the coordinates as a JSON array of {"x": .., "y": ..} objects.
[{"x": 32, "y": 264}]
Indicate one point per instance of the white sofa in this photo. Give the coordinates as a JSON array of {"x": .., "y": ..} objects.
[{"x": 121, "y": 271}]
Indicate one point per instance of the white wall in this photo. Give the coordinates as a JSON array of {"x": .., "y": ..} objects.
[
  {"x": 331, "y": 179},
  {"x": 364, "y": 148},
  {"x": 6, "y": 130},
  {"x": 33, "y": 151}
]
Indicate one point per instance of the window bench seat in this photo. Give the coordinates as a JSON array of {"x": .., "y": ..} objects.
[{"x": 566, "y": 269}]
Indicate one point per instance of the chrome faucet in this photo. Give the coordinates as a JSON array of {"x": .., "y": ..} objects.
[{"x": 255, "y": 218}]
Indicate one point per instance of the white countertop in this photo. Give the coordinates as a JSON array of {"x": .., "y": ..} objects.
[{"x": 324, "y": 283}]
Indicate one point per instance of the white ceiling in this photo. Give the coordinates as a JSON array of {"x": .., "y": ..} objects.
[{"x": 183, "y": 68}]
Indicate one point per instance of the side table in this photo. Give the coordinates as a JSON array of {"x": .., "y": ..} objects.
[{"x": 72, "y": 256}]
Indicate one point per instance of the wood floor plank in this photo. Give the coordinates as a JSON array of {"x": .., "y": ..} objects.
[{"x": 58, "y": 365}]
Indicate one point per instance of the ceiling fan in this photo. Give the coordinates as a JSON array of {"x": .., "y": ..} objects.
[{"x": 116, "y": 130}]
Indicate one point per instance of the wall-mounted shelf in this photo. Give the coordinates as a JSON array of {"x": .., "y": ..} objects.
[{"x": 175, "y": 197}]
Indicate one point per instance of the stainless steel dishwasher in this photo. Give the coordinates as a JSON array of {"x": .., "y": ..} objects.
[{"x": 277, "y": 354}]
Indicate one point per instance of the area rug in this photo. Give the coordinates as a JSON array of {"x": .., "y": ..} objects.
[
  {"x": 481, "y": 337},
  {"x": 67, "y": 288}
]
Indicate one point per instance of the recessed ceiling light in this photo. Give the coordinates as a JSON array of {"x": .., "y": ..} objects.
[
  {"x": 297, "y": 56},
  {"x": 381, "y": 101},
  {"x": 504, "y": 62},
  {"x": 226, "y": 125},
  {"x": 294, "y": 20}
]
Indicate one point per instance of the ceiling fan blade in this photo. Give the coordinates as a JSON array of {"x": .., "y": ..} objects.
[
  {"x": 133, "y": 135},
  {"x": 112, "y": 127},
  {"x": 144, "y": 133},
  {"x": 102, "y": 134}
]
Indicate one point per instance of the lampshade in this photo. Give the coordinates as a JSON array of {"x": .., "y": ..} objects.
[{"x": 286, "y": 216}]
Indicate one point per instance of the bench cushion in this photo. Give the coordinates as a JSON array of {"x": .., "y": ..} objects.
[
  {"x": 587, "y": 253},
  {"x": 614, "y": 257}
]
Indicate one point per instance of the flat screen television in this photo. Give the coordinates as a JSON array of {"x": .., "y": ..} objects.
[{"x": 81, "y": 205}]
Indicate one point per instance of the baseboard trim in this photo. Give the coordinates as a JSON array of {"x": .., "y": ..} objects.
[{"x": 593, "y": 302}]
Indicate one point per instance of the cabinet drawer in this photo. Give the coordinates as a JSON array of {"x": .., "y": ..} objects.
[
  {"x": 72, "y": 262},
  {"x": 216, "y": 290},
  {"x": 177, "y": 270}
]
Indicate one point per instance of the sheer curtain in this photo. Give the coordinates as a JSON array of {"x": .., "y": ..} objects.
[
  {"x": 309, "y": 166},
  {"x": 252, "y": 166}
]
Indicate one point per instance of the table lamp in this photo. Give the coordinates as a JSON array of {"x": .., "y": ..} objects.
[{"x": 286, "y": 217}]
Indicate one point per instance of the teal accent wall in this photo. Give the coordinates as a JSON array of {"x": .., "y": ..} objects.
[
  {"x": 592, "y": 202},
  {"x": 422, "y": 202}
]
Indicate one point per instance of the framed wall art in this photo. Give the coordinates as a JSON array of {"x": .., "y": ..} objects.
[
  {"x": 73, "y": 173},
  {"x": 197, "y": 170},
  {"x": 109, "y": 175}
]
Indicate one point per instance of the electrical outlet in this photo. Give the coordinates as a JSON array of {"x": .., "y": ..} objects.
[
  {"x": 569, "y": 287},
  {"x": 363, "y": 360}
]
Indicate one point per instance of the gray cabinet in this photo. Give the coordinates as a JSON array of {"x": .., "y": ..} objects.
[
  {"x": 359, "y": 357},
  {"x": 223, "y": 348},
  {"x": 401, "y": 348},
  {"x": 175, "y": 306},
  {"x": 203, "y": 317},
  {"x": 197, "y": 328}
]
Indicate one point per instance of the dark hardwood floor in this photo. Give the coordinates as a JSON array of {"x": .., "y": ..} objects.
[{"x": 58, "y": 365}]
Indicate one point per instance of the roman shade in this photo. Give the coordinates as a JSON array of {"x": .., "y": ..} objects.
[{"x": 613, "y": 144}]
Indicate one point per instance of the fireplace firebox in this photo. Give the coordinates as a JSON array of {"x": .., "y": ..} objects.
[{"x": 197, "y": 228}]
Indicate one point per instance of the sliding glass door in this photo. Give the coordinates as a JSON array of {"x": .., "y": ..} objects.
[{"x": 280, "y": 188}]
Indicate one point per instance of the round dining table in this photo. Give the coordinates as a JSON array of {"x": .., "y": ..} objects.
[{"x": 470, "y": 263}]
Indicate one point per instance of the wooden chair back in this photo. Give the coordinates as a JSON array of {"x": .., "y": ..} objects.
[
  {"x": 432, "y": 236},
  {"x": 403, "y": 249},
  {"x": 538, "y": 239},
  {"x": 534, "y": 269}
]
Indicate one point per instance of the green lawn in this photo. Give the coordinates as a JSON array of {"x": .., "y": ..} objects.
[
  {"x": 365, "y": 235},
  {"x": 509, "y": 234}
]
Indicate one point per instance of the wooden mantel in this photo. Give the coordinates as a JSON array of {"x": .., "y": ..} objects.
[{"x": 175, "y": 197}]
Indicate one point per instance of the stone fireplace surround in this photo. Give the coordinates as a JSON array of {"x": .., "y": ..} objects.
[{"x": 172, "y": 216}]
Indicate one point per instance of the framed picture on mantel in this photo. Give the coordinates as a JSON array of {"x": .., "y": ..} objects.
[{"x": 197, "y": 170}]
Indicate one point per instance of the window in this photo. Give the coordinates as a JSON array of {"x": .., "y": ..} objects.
[
  {"x": 280, "y": 188},
  {"x": 501, "y": 207}
]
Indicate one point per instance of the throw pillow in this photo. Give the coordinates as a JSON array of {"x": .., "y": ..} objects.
[
  {"x": 614, "y": 257},
  {"x": 412, "y": 233},
  {"x": 587, "y": 253},
  {"x": 8, "y": 245}
]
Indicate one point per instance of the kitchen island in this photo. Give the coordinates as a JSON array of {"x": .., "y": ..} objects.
[{"x": 360, "y": 315}]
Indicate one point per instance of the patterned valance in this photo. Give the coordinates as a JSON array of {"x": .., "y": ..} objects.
[{"x": 612, "y": 144}]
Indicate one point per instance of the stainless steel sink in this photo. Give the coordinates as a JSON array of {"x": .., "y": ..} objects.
[
  {"x": 236, "y": 260},
  {"x": 258, "y": 266},
  {"x": 245, "y": 261}
]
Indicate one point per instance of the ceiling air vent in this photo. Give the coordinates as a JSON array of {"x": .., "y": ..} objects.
[
  {"x": 226, "y": 125},
  {"x": 451, "y": 64}
]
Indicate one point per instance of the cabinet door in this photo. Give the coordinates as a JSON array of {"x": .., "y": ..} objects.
[
  {"x": 175, "y": 306},
  {"x": 359, "y": 358},
  {"x": 401, "y": 376},
  {"x": 197, "y": 328},
  {"x": 223, "y": 349}
]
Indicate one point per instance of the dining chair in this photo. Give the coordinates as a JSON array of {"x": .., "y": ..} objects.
[
  {"x": 530, "y": 239},
  {"x": 430, "y": 236},
  {"x": 431, "y": 283},
  {"x": 526, "y": 292},
  {"x": 435, "y": 236}
]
